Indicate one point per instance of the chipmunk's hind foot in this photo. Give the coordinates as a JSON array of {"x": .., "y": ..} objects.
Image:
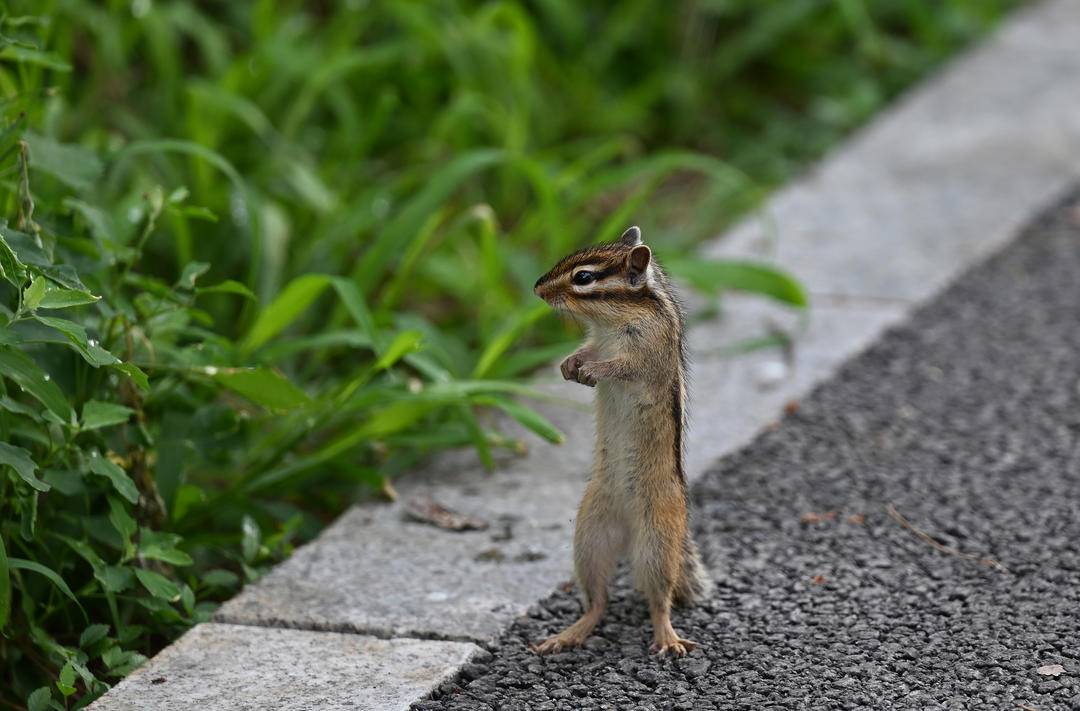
[
  {"x": 564, "y": 640},
  {"x": 676, "y": 647},
  {"x": 573, "y": 636}
]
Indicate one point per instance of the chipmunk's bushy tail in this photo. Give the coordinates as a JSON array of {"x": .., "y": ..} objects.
[{"x": 694, "y": 583}]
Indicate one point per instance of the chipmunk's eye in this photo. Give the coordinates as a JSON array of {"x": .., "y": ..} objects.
[{"x": 584, "y": 277}]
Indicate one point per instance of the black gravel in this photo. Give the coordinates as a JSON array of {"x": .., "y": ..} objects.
[{"x": 967, "y": 421}]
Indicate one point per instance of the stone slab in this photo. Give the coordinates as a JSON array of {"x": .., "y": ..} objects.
[
  {"x": 916, "y": 197},
  {"x": 216, "y": 667}
]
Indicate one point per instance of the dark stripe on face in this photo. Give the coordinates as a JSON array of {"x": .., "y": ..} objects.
[
  {"x": 635, "y": 296},
  {"x": 606, "y": 272},
  {"x": 597, "y": 258}
]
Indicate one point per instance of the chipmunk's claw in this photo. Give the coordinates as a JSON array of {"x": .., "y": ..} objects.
[
  {"x": 551, "y": 645},
  {"x": 676, "y": 647}
]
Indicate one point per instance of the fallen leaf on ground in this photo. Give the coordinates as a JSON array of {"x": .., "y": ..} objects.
[
  {"x": 818, "y": 580},
  {"x": 530, "y": 555},
  {"x": 387, "y": 490},
  {"x": 435, "y": 514},
  {"x": 491, "y": 555},
  {"x": 1051, "y": 670},
  {"x": 791, "y": 407},
  {"x": 857, "y": 519},
  {"x": 814, "y": 517}
]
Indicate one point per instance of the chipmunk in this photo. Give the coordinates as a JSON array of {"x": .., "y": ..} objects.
[{"x": 636, "y": 499}]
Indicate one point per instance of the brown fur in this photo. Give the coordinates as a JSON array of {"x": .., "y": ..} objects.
[{"x": 635, "y": 503}]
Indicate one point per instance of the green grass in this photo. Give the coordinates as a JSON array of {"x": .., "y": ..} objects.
[{"x": 261, "y": 257}]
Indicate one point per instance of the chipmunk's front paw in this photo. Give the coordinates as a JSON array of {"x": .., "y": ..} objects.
[
  {"x": 588, "y": 374},
  {"x": 571, "y": 366}
]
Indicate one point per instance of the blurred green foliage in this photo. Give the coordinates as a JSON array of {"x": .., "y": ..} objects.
[{"x": 259, "y": 257}]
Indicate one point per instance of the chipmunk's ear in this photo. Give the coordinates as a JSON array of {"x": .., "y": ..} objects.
[
  {"x": 638, "y": 261},
  {"x": 631, "y": 238}
]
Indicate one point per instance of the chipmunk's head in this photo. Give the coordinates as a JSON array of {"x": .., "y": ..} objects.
[{"x": 602, "y": 284}]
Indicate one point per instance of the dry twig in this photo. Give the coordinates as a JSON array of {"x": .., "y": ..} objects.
[{"x": 940, "y": 547}]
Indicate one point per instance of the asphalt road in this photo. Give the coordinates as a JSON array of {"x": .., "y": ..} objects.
[{"x": 966, "y": 422}]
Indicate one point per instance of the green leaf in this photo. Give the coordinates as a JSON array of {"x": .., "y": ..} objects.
[
  {"x": 263, "y": 386},
  {"x": 19, "y": 368},
  {"x": 66, "y": 276},
  {"x": 407, "y": 224},
  {"x": 229, "y": 286},
  {"x": 158, "y": 585},
  {"x": 404, "y": 343},
  {"x": 5, "y": 586},
  {"x": 114, "y": 578},
  {"x": 714, "y": 276},
  {"x": 477, "y": 435},
  {"x": 123, "y": 484},
  {"x": 26, "y": 248},
  {"x": 11, "y": 268},
  {"x": 28, "y": 519},
  {"x": 353, "y": 300},
  {"x": 98, "y": 414},
  {"x": 34, "y": 293},
  {"x": 28, "y": 55},
  {"x": 88, "y": 348},
  {"x": 195, "y": 212},
  {"x": 129, "y": 633},
  {"x": 191, "y": 272},
  {"x": 293, "y": 300},
  {"x": 221, "y": 578},
  {"x": 92, "y": 635},
  {"x": 188, "y": 497},
  {"x": 283, "y": 348},
  {"x": 39, "y": 699},
  {"x": 121, "y": 662},
  {"x": 159, "y": 545},
  {"x": 49, "y": 573},
  {"x": 74, "y": 165},
  {"x": 296, "y": 297},
  {"x": 65, "y": 482},
  {"x": 66, "y": 682},
  {"x": 19, "y": 459},
  {"x": 59, "y": 297},
  {"x": 187, "y": 598},
  {"x": 505, "y": 338},
  {"x": 113, "y": 656},
  {"x": 249, "y": 538},
  {"x": 121, "y": 520},
  {"x": 134, "y": 373},
  {"x": 528, "y": 417}
]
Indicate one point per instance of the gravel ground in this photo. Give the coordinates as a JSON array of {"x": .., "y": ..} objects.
[{"x": 966, "y": 420}]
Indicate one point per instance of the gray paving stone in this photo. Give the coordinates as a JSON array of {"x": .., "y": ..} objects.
[
  {"x": 217, "y": 667},
  {"x": 923, "y": 192}
]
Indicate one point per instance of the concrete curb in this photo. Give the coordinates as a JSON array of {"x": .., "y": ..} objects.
[{"x": 930, "y": 187}]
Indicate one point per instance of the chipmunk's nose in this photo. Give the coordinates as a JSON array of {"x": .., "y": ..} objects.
[{"x": 536, "y": 287}]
